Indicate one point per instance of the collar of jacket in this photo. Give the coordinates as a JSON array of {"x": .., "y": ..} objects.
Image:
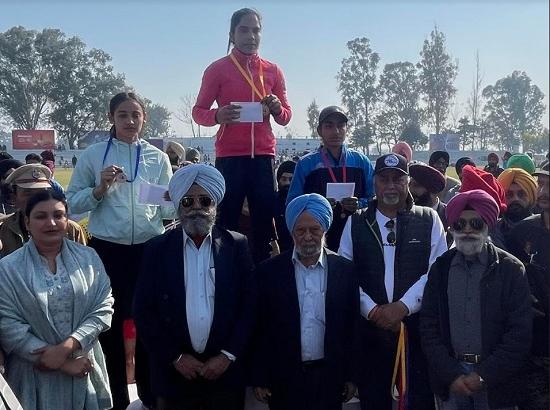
[
  {"x": 373, "y": 206},
  {"x": 493, "y": 259},
  {"x": 245, "y": 58}
]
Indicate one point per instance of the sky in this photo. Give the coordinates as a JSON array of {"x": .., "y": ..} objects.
[{"x": 163, "y": 47}]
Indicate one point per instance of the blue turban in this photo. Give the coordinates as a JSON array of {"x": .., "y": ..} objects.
[
  {"x": 315, "y": 204},
  {"x": 203, "y": 175}
]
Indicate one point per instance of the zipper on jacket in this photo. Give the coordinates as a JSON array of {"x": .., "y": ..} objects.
[
  {"x": 252, "y": 99},
  {"x": 131, "y": 193}
]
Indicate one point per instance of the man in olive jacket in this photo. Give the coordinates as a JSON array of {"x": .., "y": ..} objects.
[{"x": 475, "y": 322}]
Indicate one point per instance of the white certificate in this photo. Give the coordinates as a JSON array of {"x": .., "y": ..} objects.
[
  {"x": 340, "y": 190},
  {"x": 250, "y": 111},
  {"x": 151, "y": 194}
]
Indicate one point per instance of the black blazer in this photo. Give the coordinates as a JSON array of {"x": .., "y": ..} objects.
[
  {"x": 160, "y": 311},
  {"x": 278, "y": 352}
]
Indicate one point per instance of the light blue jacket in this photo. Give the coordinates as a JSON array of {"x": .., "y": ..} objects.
[{"x": 119, "y": 217}]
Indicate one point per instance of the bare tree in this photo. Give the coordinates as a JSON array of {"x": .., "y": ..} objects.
[
  {"x": 184, "y": 113},
  {"x": 475, "y": 102}
]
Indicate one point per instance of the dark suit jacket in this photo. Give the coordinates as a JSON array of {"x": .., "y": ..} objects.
[
  {"x": 505, "y": 326},
  {"x": 160, "y": 311},
  {"x": 278, "y": 353}
]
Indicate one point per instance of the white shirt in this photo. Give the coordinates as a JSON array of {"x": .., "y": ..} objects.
[
  {"x": 412, "y": 299},
  {"x": 200, "y": 286},
  {"x": 311, "y": 283}
]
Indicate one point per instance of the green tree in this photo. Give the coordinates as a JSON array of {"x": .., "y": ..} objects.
[
  {"x": 413, "y": 135},
  {"x": 28, "y": 61},
  {"x": 81, "y": 92},
  {"x": 466, "y": 131},
  {"x": 362, "y": 137},
  {"x": 357, "y": 83},
  {"x": 514, "y": 107},
  {"x": 312, "y": 118},
  {"x": 537, "y": 143},
  {"x": 437, "y": 76},
  {"x": 399, "y": 95},
  {"x": 49, "y": 79},
  {"x": 158, "y": 120}
]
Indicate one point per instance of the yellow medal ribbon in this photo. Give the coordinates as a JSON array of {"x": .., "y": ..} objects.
[
  {"x": 399, "y": 378},
  {"x": 248, "y": 78}
]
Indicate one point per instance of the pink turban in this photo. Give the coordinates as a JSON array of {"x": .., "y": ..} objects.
[
  {"x": 403, "y": 149},
  {"x": 474, "y": 178},
  {"x": 476, "y": 199}
]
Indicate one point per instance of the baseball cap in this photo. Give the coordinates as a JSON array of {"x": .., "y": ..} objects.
[
  {"x": 333, "y": 109},
  {"x": 391, "y": 161}
]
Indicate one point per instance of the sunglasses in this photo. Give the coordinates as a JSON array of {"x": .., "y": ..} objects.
[
  {"x": 390, "y": 225},
  {"x": 188, "y": 201},
  {"x": 475, "y": 223}
]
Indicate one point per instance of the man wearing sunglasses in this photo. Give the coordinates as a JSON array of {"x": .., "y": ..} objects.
[
  {"x": 195, "y": 300},
  {"x": 475, "y": 321},
  {"x": 392, "y": 243}
]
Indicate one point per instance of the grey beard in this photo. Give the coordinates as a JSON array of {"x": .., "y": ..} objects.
[
  {"x": 308, "y": 251},
  {"x": 390, "y": 199},
  {"x": 198, "y": 225},
  {"x": 470, "y": 247}
]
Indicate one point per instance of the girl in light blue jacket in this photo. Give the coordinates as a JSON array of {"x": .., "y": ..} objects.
[{"x": 106, "y": 182}]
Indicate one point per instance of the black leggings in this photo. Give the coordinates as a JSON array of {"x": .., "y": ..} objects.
[{"x": 122, "y": 263}]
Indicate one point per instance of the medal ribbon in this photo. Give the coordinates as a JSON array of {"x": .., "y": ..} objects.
[
  {"x": 248, "y": 78},
  {"x": 399, "y": 378}
]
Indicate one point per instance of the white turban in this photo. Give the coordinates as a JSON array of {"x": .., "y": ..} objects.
[
  {"x": 177, "y": 148},
  {"x": 203, "y": 175}
]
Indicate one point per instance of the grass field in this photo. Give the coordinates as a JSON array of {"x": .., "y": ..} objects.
[{"x": 63, "y": 176}]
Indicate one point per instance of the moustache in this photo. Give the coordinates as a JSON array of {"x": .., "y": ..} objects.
[
  {"x": 197, "y": 215},
  {"x": 467, "y": 236}
]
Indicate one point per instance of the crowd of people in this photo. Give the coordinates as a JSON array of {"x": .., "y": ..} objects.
[{"x": 394, "y": 283}]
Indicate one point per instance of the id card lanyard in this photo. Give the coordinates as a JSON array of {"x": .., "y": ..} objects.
[
  {"x": 138, "y": 154},
  {"x": 324, "y": 156}
]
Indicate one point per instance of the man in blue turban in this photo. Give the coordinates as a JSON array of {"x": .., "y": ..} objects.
[
  {"x": 314, "y": 290},
  {"x": 190, "y": 275}
]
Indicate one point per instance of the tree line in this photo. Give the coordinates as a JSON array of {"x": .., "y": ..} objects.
[
  {"x": 50, "y": 80},
  {"x": 394, "y": 104}
]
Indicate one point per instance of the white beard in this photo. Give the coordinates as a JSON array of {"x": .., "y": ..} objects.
[{"x": 472, "y": 243}]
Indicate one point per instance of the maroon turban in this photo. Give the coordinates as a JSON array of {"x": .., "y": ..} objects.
[
  {"x": 474, "y": 178},
  {"x": 478, "y": 200},
  {"x": 429, "y": 177}
]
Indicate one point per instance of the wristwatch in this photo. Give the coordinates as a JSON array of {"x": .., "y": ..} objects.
[{"x": 481, "y": 380}]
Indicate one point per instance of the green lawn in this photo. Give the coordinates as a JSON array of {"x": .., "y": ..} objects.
[{"x": 63, "y": 176}]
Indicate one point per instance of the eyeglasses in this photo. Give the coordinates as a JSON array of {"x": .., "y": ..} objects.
[
  {"x": 476, "y": 224},
  {"x": 188, "y": 201},
  {"x": 390, "y": 225}
]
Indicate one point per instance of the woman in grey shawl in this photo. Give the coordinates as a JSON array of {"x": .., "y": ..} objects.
[{"x": 55, "y": 300}]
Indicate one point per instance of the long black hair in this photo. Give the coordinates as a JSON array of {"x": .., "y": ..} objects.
[{"x": 236, "y": 19}]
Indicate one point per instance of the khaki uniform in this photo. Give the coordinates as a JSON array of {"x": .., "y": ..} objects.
[{"x": 13, "y": 238}]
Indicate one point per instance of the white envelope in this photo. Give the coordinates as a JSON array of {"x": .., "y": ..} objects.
[
  {"x": 151, "y": 194},
  {"x": 250, "y": 111},
  {"x": 340, "y": 190}
]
